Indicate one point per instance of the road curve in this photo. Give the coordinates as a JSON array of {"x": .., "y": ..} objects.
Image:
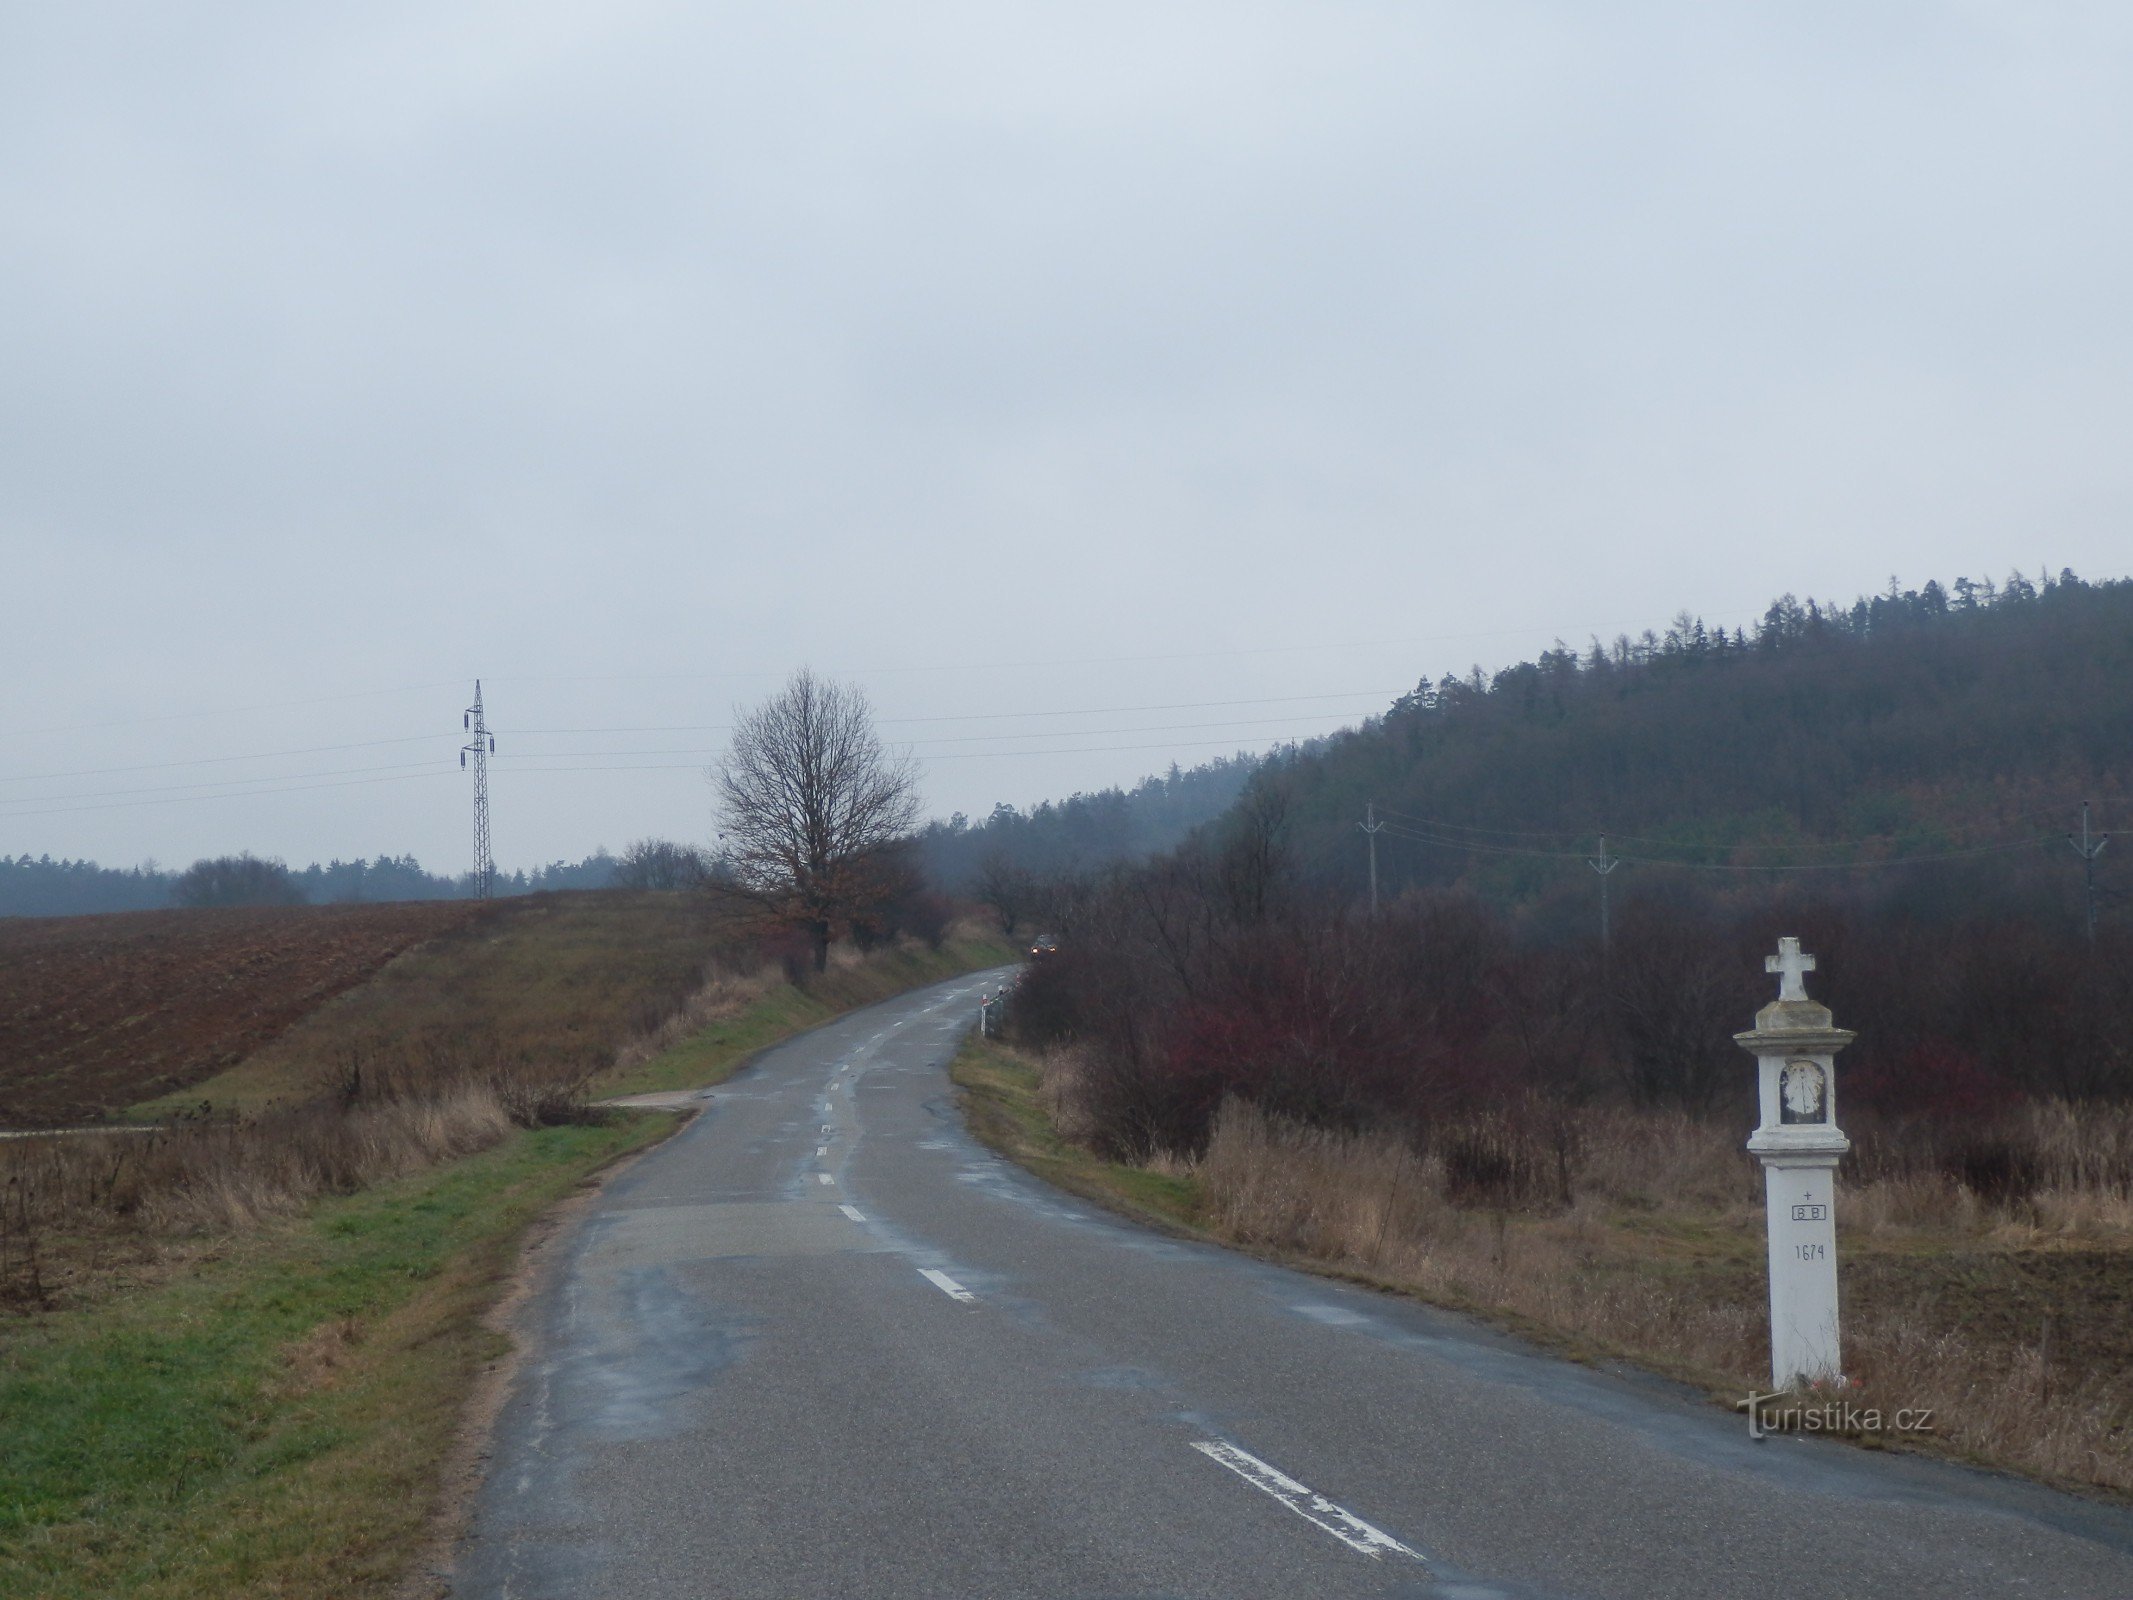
[{"x": 823, "y": 1344}]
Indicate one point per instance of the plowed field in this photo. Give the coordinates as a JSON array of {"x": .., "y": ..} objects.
[{"x": 98, "y": 1013}]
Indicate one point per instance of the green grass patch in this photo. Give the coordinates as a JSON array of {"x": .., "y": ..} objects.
[{"x": 272, "y": 1423}]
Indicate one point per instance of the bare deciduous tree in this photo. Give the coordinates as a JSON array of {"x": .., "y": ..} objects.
[
  {"x": 1006, "y": 888},
  {"x": 811, "y": 805},
  {"x": 662, "y": 864}
]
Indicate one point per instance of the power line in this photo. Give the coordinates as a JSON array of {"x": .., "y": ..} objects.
[
  {"x": 949, "y": 755},
  {"x": 1724, "y": 866},
  {"x": 944, "y": 666},
  {"x": 161, "y": 796},
  {"x": 175, "y": 789},
  {"x": 179, "y": 799},
  {"x": 990, "y": 715},
  {"x": 703, "y": 727},
  {"x": 228, "y": 711},
  {"x": 971, "y": 738},
  {"x": 1445, "y": 824},
  {"x": 212, "y": 761}
]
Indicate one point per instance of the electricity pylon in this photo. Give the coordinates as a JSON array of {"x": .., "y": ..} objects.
[{"x": 480, "y": 747}]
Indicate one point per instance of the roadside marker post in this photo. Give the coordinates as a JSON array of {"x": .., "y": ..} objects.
[{"x": 1799, "y": 1144}]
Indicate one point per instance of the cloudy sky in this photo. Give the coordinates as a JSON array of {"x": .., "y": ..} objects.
[{"x": 1099, "y": 385}]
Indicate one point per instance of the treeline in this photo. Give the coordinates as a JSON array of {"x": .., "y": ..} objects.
[
  {"x": 1217, "y": 973},
  {"x": 1918, "y": 722},
  {"x": 1085, "y": 832},
  {"x": 1891, "y": 780},
  {"x": 44, "y": 887}
]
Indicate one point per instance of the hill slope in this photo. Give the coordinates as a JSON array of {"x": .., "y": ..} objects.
[{"x": 1967, "y": 723}]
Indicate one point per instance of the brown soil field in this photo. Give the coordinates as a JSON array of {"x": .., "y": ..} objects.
[{"x": 99, "y": 1013}]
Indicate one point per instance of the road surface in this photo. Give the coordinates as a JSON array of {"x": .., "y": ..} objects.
[{"x": 823, "y": 1344}]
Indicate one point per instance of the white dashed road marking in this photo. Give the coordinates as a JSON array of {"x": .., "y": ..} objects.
[
  {"x": 852, "y": 1212},
  {"x": 947, "y": 1285},
  {"x": 1314, "y": 1508},
  {"x": 823, "y": 1177}
]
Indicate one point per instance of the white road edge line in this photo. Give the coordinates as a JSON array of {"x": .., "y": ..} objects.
[
  {"x": 947, "y": 1285},
  {"x": 852, "y": 1212},
  {"x": 1313, "y": 1507}
]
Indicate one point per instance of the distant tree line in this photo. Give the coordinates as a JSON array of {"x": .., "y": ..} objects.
[
  {"x": 1082, "y": 833},
  {"x": 44, "y": 887}
]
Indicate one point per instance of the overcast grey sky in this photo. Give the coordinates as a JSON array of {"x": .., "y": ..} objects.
[{"x": 1011, "y": 360}]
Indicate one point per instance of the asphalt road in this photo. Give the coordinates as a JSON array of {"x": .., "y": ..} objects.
[{"x": 823, "y": 1344}]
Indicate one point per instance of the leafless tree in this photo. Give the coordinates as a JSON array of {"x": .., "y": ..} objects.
[
  {"x": 1007, "y": 889},
  {"x": 662, "y": 864},
  {"x": 811, "y": 805}
]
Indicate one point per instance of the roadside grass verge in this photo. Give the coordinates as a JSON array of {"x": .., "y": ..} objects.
[
  {"x": 1004, "y": 1102},
  {"x": 734, "y": 1015},
  {"x": 1641, "y": 1240},
  {"x": 234, "y": 1353},
  {"x": 271, "y": 1422}
]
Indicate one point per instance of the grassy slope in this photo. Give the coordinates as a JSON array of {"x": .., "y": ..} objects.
[{"x": 273, "y": 1422}]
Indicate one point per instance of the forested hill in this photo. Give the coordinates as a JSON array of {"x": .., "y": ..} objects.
[{"x": 1917, "y": 723}]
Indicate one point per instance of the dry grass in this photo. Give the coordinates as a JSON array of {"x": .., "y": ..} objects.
[
  {"x": 77, "y": 1207},
  {"x": 724, "y": 994},
  {"x": 2005, "y": 1305},
  {"x": 551, "y": 984}
]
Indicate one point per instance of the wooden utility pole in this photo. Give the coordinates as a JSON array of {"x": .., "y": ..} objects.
[
  {"x": 2088, "y": 852},
  {"x": 1604, "y": 866},
  {"x": 1371, "y": 828}
]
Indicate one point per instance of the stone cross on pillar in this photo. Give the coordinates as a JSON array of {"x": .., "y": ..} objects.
[
  {"x": 1799, "y": 1143},
  {"x": 1791, "y": 967}
]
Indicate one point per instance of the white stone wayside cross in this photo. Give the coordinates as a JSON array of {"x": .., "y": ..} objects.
[
  {"x": 1795, "y": 1042},
  {"x": 1792, "y": 969}
]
